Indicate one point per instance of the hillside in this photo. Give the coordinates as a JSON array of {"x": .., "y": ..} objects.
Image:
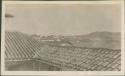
[
  {"x": 96, "y": 40},
  {"x": 110, "y": 40}
]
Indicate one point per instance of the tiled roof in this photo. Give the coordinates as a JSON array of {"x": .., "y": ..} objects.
[
  {"x": 84, "y": 59},
  {"x": 19, "y": 46}
]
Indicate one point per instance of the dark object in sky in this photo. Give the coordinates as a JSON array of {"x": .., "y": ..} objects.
[{"x": 9, "y": 16}]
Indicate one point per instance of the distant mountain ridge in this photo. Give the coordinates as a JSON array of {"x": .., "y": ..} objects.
[{"x": 97, "y": 40}]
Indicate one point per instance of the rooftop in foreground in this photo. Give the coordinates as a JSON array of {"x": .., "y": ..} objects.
[{"x": 20, "y": 47}]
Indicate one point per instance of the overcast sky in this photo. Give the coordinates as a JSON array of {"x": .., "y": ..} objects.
[{"x": 70, "y": 19}]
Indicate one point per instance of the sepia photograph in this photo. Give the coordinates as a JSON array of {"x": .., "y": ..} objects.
[
  {"x": 63, "y": 37},
  {"x": 54, "y": 37}
]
